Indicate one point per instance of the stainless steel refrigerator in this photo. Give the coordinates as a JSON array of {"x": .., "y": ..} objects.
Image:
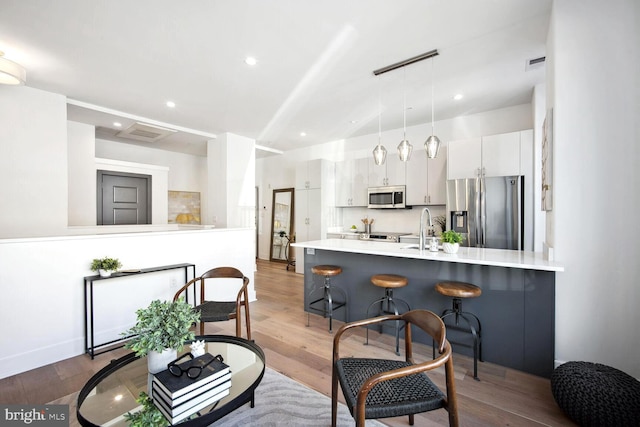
[{"x": 487, "y": 211}]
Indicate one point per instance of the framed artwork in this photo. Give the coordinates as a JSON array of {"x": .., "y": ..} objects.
[
  {"x": 184, "y": 207},
  {"x": 547, "y": 162}
]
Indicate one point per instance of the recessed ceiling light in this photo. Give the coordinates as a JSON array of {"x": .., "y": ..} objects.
[
  {"x": 171, "y": 104},
  {"x": 303, "y": 134},
  {"x": 353, "y": 122},
  {"x": 250, "y": 60},
  {"x": 117, "y": 124},
  {"x": 458, "y": 97}
]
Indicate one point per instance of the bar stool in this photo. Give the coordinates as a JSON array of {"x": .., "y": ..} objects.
[
  {"x": 325, "y": 304},
  {"x": 458, "y": 291},
  {"x": 387, "y": 304}
]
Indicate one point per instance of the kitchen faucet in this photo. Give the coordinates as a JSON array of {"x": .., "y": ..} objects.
[{"x": 422, "y": 236}]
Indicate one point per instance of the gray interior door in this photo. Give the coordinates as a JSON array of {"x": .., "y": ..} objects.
[{"x": 123, "y": 198}]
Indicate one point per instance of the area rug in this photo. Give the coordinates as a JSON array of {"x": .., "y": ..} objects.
[{"x": 280, "y": 401}]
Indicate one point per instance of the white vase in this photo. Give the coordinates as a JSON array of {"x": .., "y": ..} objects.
[
  {"x": 450, "y": 248},
  {"x": 158, "y": 361},
  {"x": 104, "y": 273}
]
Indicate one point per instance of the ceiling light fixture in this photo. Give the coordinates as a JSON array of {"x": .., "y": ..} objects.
[
  {"x": 379, "y": 153},
  {"x": 458, "y": 97},
  {"x": 171, "y": 104},
  {"x": 303, "y": 134},
  {"x": 117, "y": 124},
  {"x": 432, "y": 144},
  {"x": 250, "y": 60},
  {"x": 405, "y": 147},
  {"x": 11, "y": 73}
]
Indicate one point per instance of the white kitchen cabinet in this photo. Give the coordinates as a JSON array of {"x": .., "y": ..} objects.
[
  {"x": 426, "y": 179},
  {"x": 392, "y": 172},
  {"x": 314, "y": 203},
  {"x": 493, "y": 155},
  {"x": 309, "y": 174},
  {"x": 465, "y": 157},
  {"x": 352, "y": 182},
  {"x": 501, "y": 154},
  {"x": 307, "y": 220}
]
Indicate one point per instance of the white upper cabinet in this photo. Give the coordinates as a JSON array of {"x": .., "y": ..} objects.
[
  {"x": 501, "y": 154},
  {"x": 494, "y": 155},
  {"x": 352, "y": 182},
  {"x": 426, "y": 179},
  {"x": 465, "y": 157},
  {"x": 309, "y": 174},
  {"x": 392, "y": 172}
]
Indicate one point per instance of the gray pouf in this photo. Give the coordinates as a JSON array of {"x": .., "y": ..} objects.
[{"x": 592, "y": 394}]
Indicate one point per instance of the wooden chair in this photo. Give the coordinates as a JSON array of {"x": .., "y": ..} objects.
[
  {"x": 217, "y": 311},
  {"x": 380, "y": 388}
]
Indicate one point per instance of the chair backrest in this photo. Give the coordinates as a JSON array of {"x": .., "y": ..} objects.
[
  {"x": 221, "y": 273},
  {"x": 430, "y": 323}
]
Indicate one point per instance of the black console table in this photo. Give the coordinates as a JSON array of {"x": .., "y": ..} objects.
[{"x": 89, "y": 344}]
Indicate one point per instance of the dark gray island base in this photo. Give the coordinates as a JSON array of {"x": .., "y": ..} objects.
[{"x": 516, "y": 308}]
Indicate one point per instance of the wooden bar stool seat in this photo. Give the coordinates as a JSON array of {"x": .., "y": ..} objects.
[
  {"x": 324, "y": 303},
  {"x": 388, "y": 304},
  {"x": 458, "y": 291}
]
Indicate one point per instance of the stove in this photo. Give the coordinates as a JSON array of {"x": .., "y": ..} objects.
[{"x": 381, "y": 236}]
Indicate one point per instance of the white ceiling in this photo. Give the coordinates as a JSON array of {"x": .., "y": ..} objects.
[{"x": 122, "y": 60}]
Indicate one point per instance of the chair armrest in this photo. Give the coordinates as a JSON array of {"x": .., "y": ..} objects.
[
  {"x": 357, "y": 323},
  {"x": 185, "y": 287}
]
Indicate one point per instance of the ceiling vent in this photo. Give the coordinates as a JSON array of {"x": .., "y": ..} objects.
[
  {"x": 532, "y": 64},
  {"x": 145, "y": 132}
]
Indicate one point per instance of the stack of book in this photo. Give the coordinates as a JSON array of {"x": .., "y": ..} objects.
[{"x": 180, "y": 397}]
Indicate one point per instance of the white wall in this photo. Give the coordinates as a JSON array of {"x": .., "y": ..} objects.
[
  {"x": 81, "y": 182},
  {"x": 42, "y": 316},
  {"x": 594, "y": 89},
  {"x": 33, "y": 162}
]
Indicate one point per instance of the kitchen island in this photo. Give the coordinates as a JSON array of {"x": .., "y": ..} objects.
[{"x": 516, "y": 308}]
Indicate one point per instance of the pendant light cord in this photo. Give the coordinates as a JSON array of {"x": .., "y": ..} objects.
[
  {"x": 432, "y": 100},
  {"x": 404, "y": 102}
]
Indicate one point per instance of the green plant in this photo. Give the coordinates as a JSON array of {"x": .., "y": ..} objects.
[
  {"x": 106, "y": 263},
  {"x": 148, "y": 416},
  {"x": 162, "y": 325},
  {"x": 451, "y": 236}
]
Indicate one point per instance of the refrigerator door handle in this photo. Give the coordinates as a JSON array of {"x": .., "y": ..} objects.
[
  {"x": 477, "y": 211},
  {"x": 483, "y": 213}
]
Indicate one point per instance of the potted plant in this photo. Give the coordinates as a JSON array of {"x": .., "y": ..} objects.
[
  {"x": 148, "y": 416},
  {"x": 451, "y": 241},
  {"x": 161, "y": 330},
  {"x": 105, "y": 266}
]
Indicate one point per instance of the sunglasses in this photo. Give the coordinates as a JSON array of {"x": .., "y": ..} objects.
[{"x": 192, "y": 372}]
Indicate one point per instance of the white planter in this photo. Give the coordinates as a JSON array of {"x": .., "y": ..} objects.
[
  {"x": 450, "y": 248},
  {"x": 104, "y": 273},
  {"x": 157, "y": 361}
]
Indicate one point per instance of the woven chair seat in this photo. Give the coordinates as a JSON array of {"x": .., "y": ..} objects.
[
  {"x": 215, "y": 311},
  {"x": 396, "y": 397},
  {"x": 592, "y": 394}
]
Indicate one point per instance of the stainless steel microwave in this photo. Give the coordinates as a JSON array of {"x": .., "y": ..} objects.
[{"x": 389, "y": 197}]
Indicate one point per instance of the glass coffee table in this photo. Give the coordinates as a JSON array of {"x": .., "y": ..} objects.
[{"x": 112, "y": 392}]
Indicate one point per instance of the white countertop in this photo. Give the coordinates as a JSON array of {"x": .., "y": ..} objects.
[{"x": 482, "y": 256}]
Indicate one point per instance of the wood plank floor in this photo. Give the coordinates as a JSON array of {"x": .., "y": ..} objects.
[{"x": 503, "y": 397}]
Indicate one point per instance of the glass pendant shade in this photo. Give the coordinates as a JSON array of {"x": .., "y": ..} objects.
[
  {"x": 431, "y": 146},
  {"x": 379, "y": 154},
  {"x": 404, "y": 150}
]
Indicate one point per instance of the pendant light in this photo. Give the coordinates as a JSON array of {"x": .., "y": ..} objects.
[
  {"x": 432, "y": 144},
  {"x": 405, "y": 147},
  {"x": 379, "y": 153}
]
